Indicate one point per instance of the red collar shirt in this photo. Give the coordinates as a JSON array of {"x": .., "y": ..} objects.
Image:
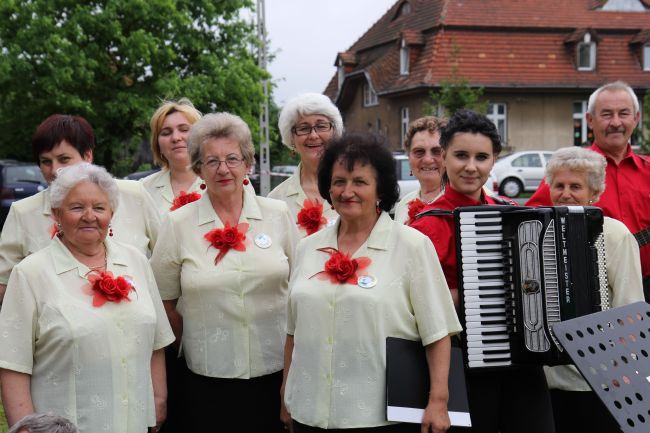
[
  {"x": 441, "y": 231},
  {"x": 626, "y": 196}
]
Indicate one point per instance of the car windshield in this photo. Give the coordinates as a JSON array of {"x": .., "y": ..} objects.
[{"x": 23, "y": 173}]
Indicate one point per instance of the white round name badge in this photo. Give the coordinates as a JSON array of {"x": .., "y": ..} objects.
[
  {"x": 331, "y": 222},
  {"x": 263, "y": 240},
  {"x": 367, "y": 281}
]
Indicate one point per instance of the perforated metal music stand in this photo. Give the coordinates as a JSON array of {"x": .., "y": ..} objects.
[{"x": 612, "y": 351}]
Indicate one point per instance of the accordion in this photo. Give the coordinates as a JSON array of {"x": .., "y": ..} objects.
[{"x": 522, "y": 270}]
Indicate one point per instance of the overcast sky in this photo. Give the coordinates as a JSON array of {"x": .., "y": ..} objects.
[{"x": 306, "y": 35}]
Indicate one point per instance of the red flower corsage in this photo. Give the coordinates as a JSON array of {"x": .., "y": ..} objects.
[
  {"x": 340, "y": 268},
  {"x": 227, "y": 238},
  {"x": 415, "y": 207},
  {"x": 184, "y": 198},
  {"x": 104, "y": 287},
  {"x": 311, "y": 216}
]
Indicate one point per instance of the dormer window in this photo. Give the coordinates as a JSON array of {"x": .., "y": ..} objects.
[
  {"x": 341, "y": 72},
  {"x": 646, "y": 57},
  {"x": 404, "y": 9},
  {"x": 369, "y": 96},
  {"x": 586, "y": 53},
  {"x": 403, "y": 58}
]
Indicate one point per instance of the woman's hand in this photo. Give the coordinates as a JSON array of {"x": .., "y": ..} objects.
[
  {"x": 161, "y": 413},
  {"x": 285, "y": 416},
  {"x": 436, "y": 417},
  {"x": 159, "y": 381}
]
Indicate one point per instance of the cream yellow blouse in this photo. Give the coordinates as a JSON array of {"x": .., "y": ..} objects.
[
  {"x": 402, "y": 207},
  {"x": 159, "y": 187},
  {"x": 293, "y": 195},
  {"x": 28, "y": 227},
  {"x": 625, "y": 287},
  {"x": 88, "y": 364},
  {"x": 234, "y": 312},
  {"x": 337, "y": 374}
]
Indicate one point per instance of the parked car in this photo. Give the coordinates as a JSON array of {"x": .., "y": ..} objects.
[
  {"x": 140, "y": 174},
  {"x": 520, "y": 171},
  {"x": 407, "y": 182},
  {"x": 284, "y": 169},
  {"x": 17, "y": 181}
]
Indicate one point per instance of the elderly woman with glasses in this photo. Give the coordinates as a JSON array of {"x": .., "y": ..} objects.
[
  {"x": 228, "y": 257},
  {"x": 176, "y": 183},
  {"x": 307, "y": 123},
  {"x": 422, "y": 145},
  {"x": 83, "y": 328},
  {"x": 576, "y": 177}
]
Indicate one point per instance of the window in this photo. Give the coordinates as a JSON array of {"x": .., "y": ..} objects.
[
  {"x": 404, "y": 58},
  {"x": 497, "y": 114},
  {"x": 405, "y": 9},
  {"x": 404, "y": 122},
  {"x": 341, "y": 72},
  {"x": 646, "y": 57},
  {"x": 528, "y": 160},
  {"x": 378, "y": 126},
  {"x": 582, "y": 135},
  {"x": 586, "y": 51},
  {"x": 369, "y": 95}
]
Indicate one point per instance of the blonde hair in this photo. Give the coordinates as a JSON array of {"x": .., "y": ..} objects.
[{"x": 182, "y": 105}]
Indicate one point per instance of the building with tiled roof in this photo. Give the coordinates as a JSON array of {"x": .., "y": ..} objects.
[{"x": 537, "y": 62}]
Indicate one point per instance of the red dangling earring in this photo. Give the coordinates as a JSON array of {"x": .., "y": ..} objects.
[
  {"x": 202, "y": 186},
  {"x": 246, "y": 182},
  {"x": 110, "y": 230},
  {"x": 332, "y": 207},
  {"x": 377, "y": 208},
  {"x": 411, "y": 172}
]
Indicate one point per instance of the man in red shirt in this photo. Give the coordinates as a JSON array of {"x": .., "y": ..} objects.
[{"x": 613, "y": 113}]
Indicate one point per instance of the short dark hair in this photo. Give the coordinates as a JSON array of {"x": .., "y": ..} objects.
[
  {"x": 473, "y": 123},
  {"x": 362, "y": 148},
  {"x": 58, "y": 127}
]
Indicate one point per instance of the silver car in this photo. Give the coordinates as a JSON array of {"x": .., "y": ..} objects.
[{"x": 520, "y": 171}]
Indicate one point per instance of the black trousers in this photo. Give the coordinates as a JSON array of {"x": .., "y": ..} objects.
[
  {"x": 508, "y": 401},
  {"x": 175, "y": 368},
  {"x": 393, "y": 428},
  {"x": 576, "y": 411},
  {"x": 215, "y": 404}
]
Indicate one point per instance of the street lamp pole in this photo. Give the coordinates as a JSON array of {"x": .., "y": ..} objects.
[{"x": 265, "y": 160}]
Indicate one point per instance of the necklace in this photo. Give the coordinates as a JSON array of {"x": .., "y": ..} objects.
[{"x": 105, "y": 265}]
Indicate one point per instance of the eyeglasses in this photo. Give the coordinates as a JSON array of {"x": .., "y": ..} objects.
[
  {"x": 420, "y": 153},
  {"x": 230, "y": 161},
  {"x": 319, "y": 128}
]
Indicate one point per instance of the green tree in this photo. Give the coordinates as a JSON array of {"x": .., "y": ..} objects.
[
  {"x": 644, "y": 130},
  {"x": 455, "y": 92},
  {"x": 112, "y": 61}
]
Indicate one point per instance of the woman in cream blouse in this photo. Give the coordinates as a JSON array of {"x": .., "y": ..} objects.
[
  {"x": 83, "y": 327},
  {"x": 576, "y": 177},
  {"x": 422, "y": 145},
  {"x": 170, "y": 127},
  {"x": 228, "y": 257},
  {"x": 307, "y": 123},
  {"x": 59, "y": 141},
  {"x": 355, "y": 283}
]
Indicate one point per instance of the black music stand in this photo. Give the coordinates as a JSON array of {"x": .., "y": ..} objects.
[{"x": 612, "y": 351}]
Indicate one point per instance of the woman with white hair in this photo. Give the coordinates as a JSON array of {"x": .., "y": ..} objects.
[
  {"x": 82, "y": 326},
  {"x": 307, "y": 123},
  {"x": 43, "y": 423},
  {"x": 227, "y": 256},
  {"x": 576, "y": 177}
]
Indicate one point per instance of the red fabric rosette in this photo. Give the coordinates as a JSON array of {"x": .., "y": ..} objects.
[
  {"x": 311, "y": 216},
  {"x": 227, "y": 238},
  {"x": 104, "y": 287},
  {"x": 341, "y": 268},
  {"x": 54, "y": 230},
  {"x": 184, "y": 198},
  {"x": 415, "y": 207}
]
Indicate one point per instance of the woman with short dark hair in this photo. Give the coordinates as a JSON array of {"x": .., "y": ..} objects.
[
  {"x": 355, "y": 283},
  {"x": 514, "y": 400}
]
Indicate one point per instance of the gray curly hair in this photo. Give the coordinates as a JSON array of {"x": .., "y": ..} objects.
[
  {"x": 43, "y": 423},
  {"x": 69, "y": 177},
  {"x": 579, "y": 159},
  {"x": 308, "y": 104}
]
